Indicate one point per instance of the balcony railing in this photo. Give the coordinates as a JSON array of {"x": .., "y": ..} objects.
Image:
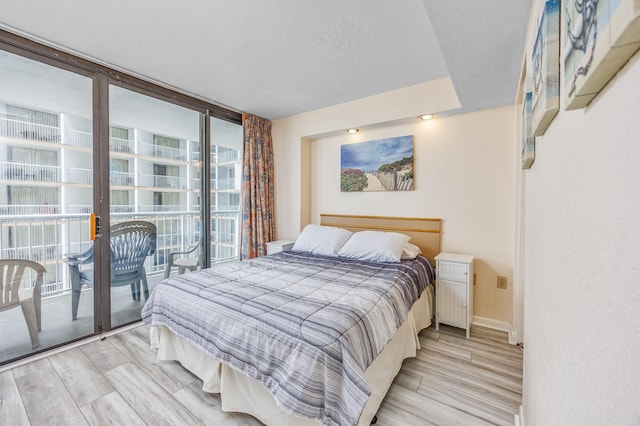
[
  {"x": 45, "y": 238},
  {"x": 35, "y": 209},
  {"x": 77, "y": 138},
  {"x": 121, "y": 178},
  {"x": 223, "y": 184},
  {"x": 38, "y": 173},
  {"x": 161, "y": 208},
  {"x": 80, "y": 176},
  {"x": 30, "y": 131},
  {"x": 121, "y": 145},
  {"x": 78, "y": 208},
  {"x": 42, "y": 253},
  {"x": 155, "y": 181},
  {"x": 159, "y": 151},
  {"x": 227, "y": 156},
  {"x": 29, "y": 172},
  {"x": 25, "y": 209},
  {"x": 121, "y": 209},
  {"x": 224, "y": 208}
]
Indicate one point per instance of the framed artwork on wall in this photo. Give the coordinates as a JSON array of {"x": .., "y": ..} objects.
[
  {"x": 380, "y": 165},
  {"x": 599, "y": 37},
  {"x": 528, "y": 141},
  {"x": 545, "y": 61}
]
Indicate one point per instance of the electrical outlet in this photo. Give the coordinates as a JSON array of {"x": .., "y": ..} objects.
[{"x": 502, "y": 282}]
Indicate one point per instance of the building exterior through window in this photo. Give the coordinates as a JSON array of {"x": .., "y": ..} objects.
[{"x": 47, "y": 171}]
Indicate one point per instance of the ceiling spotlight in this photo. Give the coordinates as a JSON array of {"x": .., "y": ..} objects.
[
  {"x": 427, "y": 117},
  {"x": 352, "y": 131}
]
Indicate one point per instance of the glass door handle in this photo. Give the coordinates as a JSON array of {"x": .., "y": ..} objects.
[{"x": 95, "y": 226}]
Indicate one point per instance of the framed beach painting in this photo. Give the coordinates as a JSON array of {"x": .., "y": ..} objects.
[
  {"x": 545, "y": 62},
  {"x": 599, "y": 37},
  {"x": 380, "y": 165},
  {"x": 528, "y": 141}
]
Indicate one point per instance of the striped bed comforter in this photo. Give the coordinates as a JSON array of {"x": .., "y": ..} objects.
[{"x": 306, "y": 326}]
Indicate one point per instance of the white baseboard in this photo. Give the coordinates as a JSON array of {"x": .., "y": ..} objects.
[
  {"x": 493, "y": 324},
  {"x": 513, "y": 337},
  {"x": 497, "y": 325},
  {"x": 518, "y": 419}
]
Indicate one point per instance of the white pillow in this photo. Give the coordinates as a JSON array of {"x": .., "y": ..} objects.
[
  {"x": 411, "y": 251},
  {"x": 323, "y": 240},
  {"x": 375, "y": 246}
]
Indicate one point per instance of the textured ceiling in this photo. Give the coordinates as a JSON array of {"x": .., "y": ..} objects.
[{"x": 283, "y": 57}]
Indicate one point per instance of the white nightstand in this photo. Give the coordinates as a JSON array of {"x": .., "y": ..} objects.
[
  {"x": 454, "y": 290},
  {"x": 278, "y": 246}
]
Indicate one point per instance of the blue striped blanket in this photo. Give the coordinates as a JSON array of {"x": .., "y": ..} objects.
[{"x": 306, "y": 326}]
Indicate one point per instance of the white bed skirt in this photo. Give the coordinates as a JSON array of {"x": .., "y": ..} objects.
[{"x": 241, "y": 393}]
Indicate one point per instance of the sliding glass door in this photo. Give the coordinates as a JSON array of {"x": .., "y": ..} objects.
[
  {"x": 106, "y": 187},
  {"x": 46, "y": 199},
  {"x": 154, "y": 176}
]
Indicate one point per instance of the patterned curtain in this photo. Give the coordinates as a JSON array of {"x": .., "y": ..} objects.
[{"x": 258, "y": 225}]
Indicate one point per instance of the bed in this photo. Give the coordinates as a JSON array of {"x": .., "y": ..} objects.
[{"x": 301, "y": 337}]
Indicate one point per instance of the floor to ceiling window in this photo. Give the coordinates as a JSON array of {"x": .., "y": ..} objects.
[
  {"x": 162, "y": 189},
  {"x": 46, "y": 196},
  {"x": 226, "y": 174},
  {"x": 72, "y": 138}
]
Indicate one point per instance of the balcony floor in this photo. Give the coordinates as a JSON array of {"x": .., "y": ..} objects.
[{"x": 57, "y": 325}]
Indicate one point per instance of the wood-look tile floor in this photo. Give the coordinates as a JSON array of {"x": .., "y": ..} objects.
[{"x": 118, "y": 381}]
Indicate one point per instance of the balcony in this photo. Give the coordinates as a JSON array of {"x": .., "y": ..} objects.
[
  {"x": 121, "y": 145},
  {"x": 226, "y": 156},
  {"x": 37, "y": 132},
  {"x": 158, "y": 151},
  {"x": 223, "y": 184},
  {"x": 29, "y": 172},
  {"x": 47, "y": 209},
  {"x": 78, "y": 176},
  {"x": 115, "y": 208},
  {"x": 48, "y": 237},
  {"x": 25, "y": 209},
  {"x": 156, "y": 181},
  {"x": 121, "y": 178},
  {"x": 224, "y": 209},
  {"x": 77, "y": 138},
  {"x": 77, "y": 208},
  {"x": 29, "y": 131},
  {"x": 162, "y": 208}
]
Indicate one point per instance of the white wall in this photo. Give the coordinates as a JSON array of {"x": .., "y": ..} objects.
[
  {"x": 464, "y": 174},
  {"x": 291, "y": 150},
  {"x": 582, "y": 263}
]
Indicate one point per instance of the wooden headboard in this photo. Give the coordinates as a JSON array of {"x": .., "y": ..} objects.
[{"x": 424, "y": 232}]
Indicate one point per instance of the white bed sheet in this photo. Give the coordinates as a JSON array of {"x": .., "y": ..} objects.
[{"x": 240, "y": 393}]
